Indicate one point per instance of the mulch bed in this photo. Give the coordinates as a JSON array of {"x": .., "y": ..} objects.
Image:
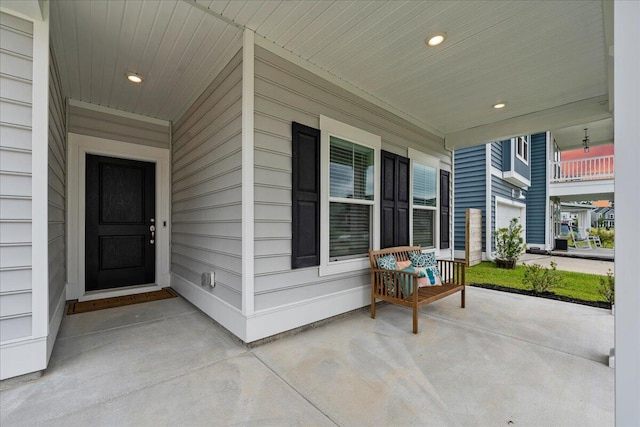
[{"x": 548, "y": 295}]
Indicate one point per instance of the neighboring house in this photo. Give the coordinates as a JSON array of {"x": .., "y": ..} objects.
[
  {"x": 505, "y": 179},
  {"x": 527, "y": 178},
  {"x": 603, "y": 217}
]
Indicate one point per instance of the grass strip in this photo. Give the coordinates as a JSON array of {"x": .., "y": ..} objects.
[{"x": 574, "y": 285}]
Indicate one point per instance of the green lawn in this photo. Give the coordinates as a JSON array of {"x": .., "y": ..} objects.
[{"x": 574, "y": 285}]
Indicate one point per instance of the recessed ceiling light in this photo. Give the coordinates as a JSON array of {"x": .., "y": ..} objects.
[
  {"x": 499, "y": 105},
  {"x": 435, "y": 39},
  {"x": 134, "y": 78}
]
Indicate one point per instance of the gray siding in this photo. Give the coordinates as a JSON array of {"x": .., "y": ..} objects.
[
  {"x": 57, "y": 177},
  {"x": 496, "y": 155},
  {"x": 285, "y": 93},
  {"x": 499, "y": 188},
  {"x": 101, "y": 124},
  {"x": 16, "y": 72},
  {"x": 537, "y": 194},
  {"x": 469, "y": 189},
  {"x": 207, "y": 186}
]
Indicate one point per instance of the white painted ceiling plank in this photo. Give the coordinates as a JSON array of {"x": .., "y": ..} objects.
[
  {"x": 262, "y": 14},
  {"x": 172, "y": 72}
]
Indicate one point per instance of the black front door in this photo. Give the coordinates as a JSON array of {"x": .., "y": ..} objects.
[{"x": 119, "y": 223}]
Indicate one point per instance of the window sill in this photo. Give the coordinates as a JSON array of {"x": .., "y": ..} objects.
[{"x": 346, "y": 266}]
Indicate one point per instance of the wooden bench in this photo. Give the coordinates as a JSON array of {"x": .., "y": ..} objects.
[{"x": 391, "y": 285}]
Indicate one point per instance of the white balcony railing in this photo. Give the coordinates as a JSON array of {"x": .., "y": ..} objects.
[{"x": 590, "y": 169}]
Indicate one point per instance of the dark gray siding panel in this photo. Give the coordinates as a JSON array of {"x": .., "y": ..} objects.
[
  {"x": 16, "y": 73},
  {"x": 522, "y": 168},
  {"x": 57, "y": 177},
  {"x": 470, "y": 176},
  {"x": 207, "y": 187},
  {"x": 506, "y": 155},
  {"x": 496, "y": 155},
  {"x": 537, "y": 194},
  {"x": 285, "y": 93}
]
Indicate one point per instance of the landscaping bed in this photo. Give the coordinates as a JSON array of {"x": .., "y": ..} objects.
[
  {"x": 548, "y": 295},
  {"x": 578, "y": 288}
]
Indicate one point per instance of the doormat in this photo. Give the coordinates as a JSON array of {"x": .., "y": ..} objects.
[{"x": 104, "y": 303}]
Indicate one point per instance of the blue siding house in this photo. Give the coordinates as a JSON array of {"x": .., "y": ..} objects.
[{"x": 504, "y": 179}]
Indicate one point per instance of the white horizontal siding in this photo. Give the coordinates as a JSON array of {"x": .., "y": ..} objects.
[
  {"x": 102, "y": 124},
  {"x": 16, "y": 73},
  {"x": 206, "y": 187},
  {"x": 57, "y": 179},
  {"x": 285, "y": 93}
]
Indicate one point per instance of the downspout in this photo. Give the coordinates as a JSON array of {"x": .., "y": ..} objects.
[{"x": 487, "y": 227}]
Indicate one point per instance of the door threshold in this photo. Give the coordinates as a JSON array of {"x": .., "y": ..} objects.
[{"x": 118, "y": 292}]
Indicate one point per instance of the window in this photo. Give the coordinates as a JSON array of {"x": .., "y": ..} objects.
[
  {"x": 424, "y": 205},
  {"x": 424, "y": 199},
  {"x": 522, "y": 148},
  {"x": 350, "y": 217},
  {"x": 351, "y": 169}
]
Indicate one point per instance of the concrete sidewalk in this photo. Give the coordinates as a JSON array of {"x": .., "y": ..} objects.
[
  {"x": 505, "y": 358},
  {"x": 579, "y": 265}
]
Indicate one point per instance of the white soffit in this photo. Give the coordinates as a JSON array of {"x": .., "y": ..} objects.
[
  {"x": 600, "y": 132},
  {"x": 177, "y": 49},
  {"x": 535, "y": 55}
]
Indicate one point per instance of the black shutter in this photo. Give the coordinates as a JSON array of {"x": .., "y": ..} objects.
[
  {"x": 305, "y": 196},
  {"x": 444, "y": 209},
  {"x": 394, "y": 215}
]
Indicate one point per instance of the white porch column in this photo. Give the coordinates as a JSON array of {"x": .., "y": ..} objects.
[{"x": 627, "y": 177}]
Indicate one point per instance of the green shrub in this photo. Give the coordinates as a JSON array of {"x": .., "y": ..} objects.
[
  {"x": 607, "y": 289},
  {"x": 607, "y": 237},
  {"x": 541, "y": 279},
  {"x": 509, "y": 241}
]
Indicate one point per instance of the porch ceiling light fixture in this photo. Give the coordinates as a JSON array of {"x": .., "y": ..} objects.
[
  {"x": 435, "y": 39},
  {"x": 499, "y": 105},
  {"x": 585, "y": 141},
  {"x": 134, "y": 78}
]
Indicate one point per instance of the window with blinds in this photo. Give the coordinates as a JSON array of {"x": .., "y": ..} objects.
[
  {"x": 424, "y": 205},
  {"x": 351, "y": 176}
]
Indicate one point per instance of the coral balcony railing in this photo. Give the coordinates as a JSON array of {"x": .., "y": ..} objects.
[{"x": 589, "y": 169}]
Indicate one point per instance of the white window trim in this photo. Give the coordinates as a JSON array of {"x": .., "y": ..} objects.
[
  {"x": 434, "y": 162},
  {"x": 330, "y": 127},
  {"x": 525, "y": 142}
]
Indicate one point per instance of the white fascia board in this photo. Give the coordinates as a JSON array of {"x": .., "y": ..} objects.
[
  {"x": 29, "y": 10},
  {"x": 574, "y": 113},
  {"x": 488, "y": 205},
  {"x": 107, "y": 110},
  {"x": 516, "y": 179}
]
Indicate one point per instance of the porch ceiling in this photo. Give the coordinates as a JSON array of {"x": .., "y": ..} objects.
[{"x": 546, "y": 59}]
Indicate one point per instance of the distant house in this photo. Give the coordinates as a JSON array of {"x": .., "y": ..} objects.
[
  {"x": 603, "y": 217},
  {"x": 528, "y": 178}
]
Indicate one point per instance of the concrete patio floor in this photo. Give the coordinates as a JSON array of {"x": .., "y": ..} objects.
[{"x": 504, "y": 360}]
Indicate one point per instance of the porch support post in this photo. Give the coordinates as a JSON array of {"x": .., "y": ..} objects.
[
  {"x": 247, "y": 172},
  {"x": 627, "y": 230}
]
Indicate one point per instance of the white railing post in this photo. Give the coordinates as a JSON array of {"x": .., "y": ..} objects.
[{"x": 583, "y": 169}]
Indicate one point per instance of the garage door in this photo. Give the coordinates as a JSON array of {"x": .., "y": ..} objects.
[{"x": 505, "y": 213}]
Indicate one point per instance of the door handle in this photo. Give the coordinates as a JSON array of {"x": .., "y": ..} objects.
[{"x": 152, "y": 229}]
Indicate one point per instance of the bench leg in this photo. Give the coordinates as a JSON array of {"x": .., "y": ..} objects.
[
  {"x": 462, "y": 299},
  {"x": 415, "y": 320},
  {"x": 373, "y": 307}
]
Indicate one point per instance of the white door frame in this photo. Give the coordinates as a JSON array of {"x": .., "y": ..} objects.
[{"x": 79, "y": 147}]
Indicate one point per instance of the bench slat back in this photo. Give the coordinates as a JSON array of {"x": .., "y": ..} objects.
[{"x": 401, "y": 253}]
